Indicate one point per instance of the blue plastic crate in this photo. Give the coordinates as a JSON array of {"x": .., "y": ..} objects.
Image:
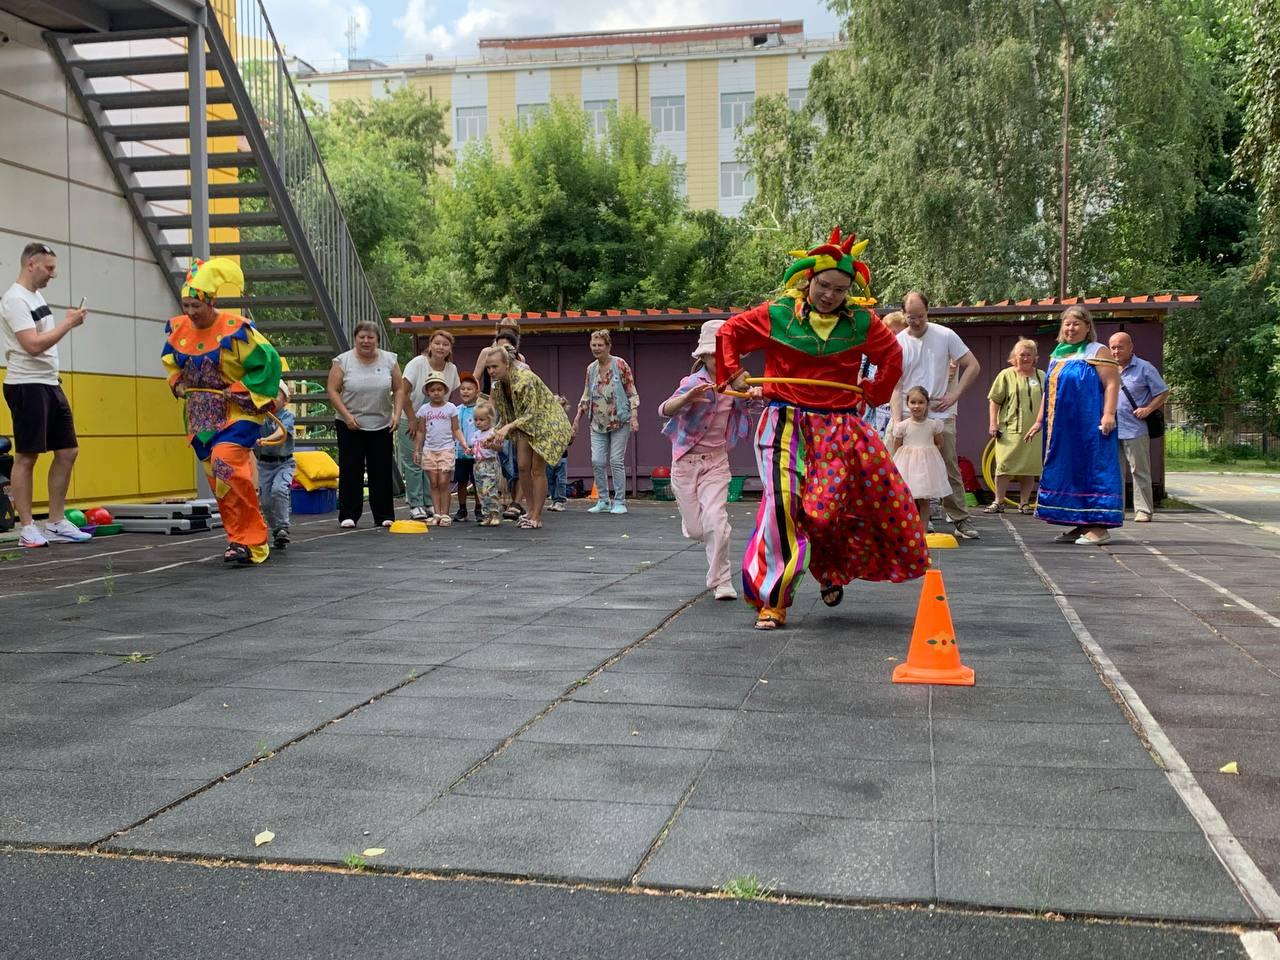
[{"x": 313, "y": 501}]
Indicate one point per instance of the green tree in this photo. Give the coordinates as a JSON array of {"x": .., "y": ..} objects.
[
  {"x": 382, "y": 157},
  {"x": 1258, "y": 155},
  {"x": 557, "y": 218}
]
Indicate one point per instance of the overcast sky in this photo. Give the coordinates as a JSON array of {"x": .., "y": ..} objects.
[{"x": 316, "y": 30}]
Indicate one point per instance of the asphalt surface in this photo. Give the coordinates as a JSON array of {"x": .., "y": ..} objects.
[
  {"x": 569, "y": 704},
  {"x": 1251, "y": 496},
  {"x": 76, "y": 908}
]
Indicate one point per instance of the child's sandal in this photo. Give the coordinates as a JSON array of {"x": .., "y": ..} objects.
[
  {"x": 770, "y": 618},
  {"x": 994, "y": 507}
]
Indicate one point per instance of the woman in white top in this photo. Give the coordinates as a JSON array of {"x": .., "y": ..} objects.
[
  {"x": 436, "y": 358},
  {"x": 362, "y": 383}
]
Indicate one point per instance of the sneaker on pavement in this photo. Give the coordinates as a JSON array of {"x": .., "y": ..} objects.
[
  {"x": 602, "y": 506},
  {"x": 1142, "y": 517},
  {"x": 558, "y": 506},
  {"x": 347, "y": 525},
  {"x": 725, "y": 591},
  {"x": 31, "y": 537},
  {"x": 966, "y": 530},
  {"x": 461, "y": 516},
  {"x": 64, "y": 531},
  {"x": 418, "y": 513},
  {"x": 282, "y": 538},
  {"x": 618, "y": 507}
]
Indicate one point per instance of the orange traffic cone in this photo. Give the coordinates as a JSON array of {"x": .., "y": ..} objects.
[
  {"x": 933, "y": 656},
  {"x": 594, "y": 494}
]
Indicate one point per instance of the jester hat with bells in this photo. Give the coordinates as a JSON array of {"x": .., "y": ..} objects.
[
  {"x": 838, "y": 253},
  {"x": 210, "y": 280}
]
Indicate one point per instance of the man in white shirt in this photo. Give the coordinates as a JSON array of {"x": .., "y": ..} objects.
[
  {"x": 927, "y": 351},
  {"x": 42, "y": 419}
]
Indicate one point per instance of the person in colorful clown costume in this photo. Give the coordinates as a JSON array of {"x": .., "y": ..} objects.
[
  {"x": 229, "y": 376},
  {"x": 833, "y": 502}
]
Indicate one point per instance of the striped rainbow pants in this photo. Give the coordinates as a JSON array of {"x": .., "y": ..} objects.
[{"x": 833, "y": 504}]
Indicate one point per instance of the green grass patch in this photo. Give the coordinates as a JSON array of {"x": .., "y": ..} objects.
[
  {"x": 1206, "y": 465},
  {"x": 748, "y": 886}
]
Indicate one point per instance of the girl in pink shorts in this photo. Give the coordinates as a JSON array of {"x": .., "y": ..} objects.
[
  {"x": 703, "y": 426},
  {"x": 438, "y": 428}
]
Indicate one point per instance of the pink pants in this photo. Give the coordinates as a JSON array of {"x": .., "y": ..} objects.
[{"x": 700, "y": 482}]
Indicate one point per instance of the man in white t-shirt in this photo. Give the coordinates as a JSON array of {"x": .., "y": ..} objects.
[
  {"x": 42, "y": 419},
  {"x": 927, "y": 351}
]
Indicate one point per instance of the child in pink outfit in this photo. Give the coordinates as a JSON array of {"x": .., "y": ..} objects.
[{"x": 703, "y": 426}]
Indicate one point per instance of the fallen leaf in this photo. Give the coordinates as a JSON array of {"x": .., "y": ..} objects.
[
  {"x": 1232, "y": 767},
  {"x": 373, "y": 852},
  {"x": 626, "y": 536},
  {"x": 588, "y": 548},
  {"x": 266, "y": 836},
  {"x": 635, "y": 733}
]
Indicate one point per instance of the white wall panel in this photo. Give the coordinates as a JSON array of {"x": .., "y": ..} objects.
[
  {"x": 34, "y": 205},
  {"x": 104, "y": 344},
  {"x": 32, "y": 136},
  {"x": 148, "y": 341},
  {"x": 798, "y": 68},
  {"x": 667, "y": 79},
  {"x": 599, "y": 83},
  {"x": 101, "y": 220},
  {"x": 103, "y": 279},
  {"x": 152, "y": 297},
  {"x": 26, "y": 68},
  {"x": 470, "y": 90},
  {"x": 85, "y": 161},
  {"x": 533, "y": 86}
]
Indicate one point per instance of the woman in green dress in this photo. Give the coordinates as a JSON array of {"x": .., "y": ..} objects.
[
  {"x": 533, "y": 419},
  {"x": 1014, "y": 399}
]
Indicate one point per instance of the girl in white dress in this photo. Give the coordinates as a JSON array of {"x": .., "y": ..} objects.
[{"x": 918, "y": 458}]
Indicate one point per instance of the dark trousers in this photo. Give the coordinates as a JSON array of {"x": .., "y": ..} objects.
[
  {"x": 360, "y": 451},
  {"x": 463, "y": 476}
]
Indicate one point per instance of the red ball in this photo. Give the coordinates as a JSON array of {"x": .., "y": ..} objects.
[
  {"x": 661, "y": 473},
  {"x": 99, "y": 516}
]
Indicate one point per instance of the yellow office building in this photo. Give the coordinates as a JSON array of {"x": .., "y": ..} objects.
[{"x": 695, "y": 84}]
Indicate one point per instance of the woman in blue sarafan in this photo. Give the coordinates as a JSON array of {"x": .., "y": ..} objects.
[{"x": 1081, "y": 487}]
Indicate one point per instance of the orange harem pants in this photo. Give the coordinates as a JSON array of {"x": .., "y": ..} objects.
[
  {"x": 232, "y": 476},
  {"x": 833, "y": 503}
]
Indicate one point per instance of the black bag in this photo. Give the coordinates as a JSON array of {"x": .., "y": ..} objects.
[{"x": 1155, "y": 419}]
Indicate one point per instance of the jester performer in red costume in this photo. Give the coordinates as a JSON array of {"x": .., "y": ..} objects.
[{"x": 833, "y": 502}]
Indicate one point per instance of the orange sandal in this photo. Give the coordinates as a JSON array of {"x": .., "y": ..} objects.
[{"x": 771, "y": 618}]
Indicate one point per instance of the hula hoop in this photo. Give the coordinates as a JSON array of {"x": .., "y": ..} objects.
[
  {"x": 223, "y": 393},
  {"x": 989, "y": 469},
  {"x": 804, "y": 381}
]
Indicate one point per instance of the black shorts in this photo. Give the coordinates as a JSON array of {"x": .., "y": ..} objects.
[{"x": 41, "y": 418}]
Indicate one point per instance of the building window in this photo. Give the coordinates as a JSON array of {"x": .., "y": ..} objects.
[
  {"x": 736, "y": 182},
  {"x": 796, "y": 98},
  {"x": 526, "y": 113},
  {"x": 667, "y": 114},
  {"x": 735, "y": 109},
  {"x": 598, "y": 112},
  {"x": 473, "y": 124},
  {"x": 682, "y": 181}
]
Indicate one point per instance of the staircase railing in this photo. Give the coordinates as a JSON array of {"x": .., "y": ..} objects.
[{"x": 283, "y": 132}]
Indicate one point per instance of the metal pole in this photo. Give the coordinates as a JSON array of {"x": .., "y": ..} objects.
[
  {"x": 197, "y": 106},
  {"x": 1064, "y": 213}
]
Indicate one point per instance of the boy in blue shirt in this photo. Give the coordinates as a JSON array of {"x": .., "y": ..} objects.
[
  {"x": 464, "y": 468},
  {"x": 275, "y": 469}
]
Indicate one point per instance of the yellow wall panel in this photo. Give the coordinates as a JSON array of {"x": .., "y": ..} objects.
[
  {"x": 106, "y": 469},
  {"x": 159, "y": 414},
  {"x": 166, "y": 466},
  {"x": 502, "y": 100},
  {"x": 438, "y": 89},
  {"x": 628, "y": 74},
  {"x": 340, "y": 90},
  {"x": 771, "y": 76},
  {"x": 566, "y": 84},
  {"x": 702, "y": 136},
  {"x": 104, "y": 406}
]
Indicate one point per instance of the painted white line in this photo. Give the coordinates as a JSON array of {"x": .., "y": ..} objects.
[
  {"x": 1235, "y": 598},
  {"x": 1248, "y": 879},
  {"x": 1260, "y": 945},
  {"x": 136, "y": 573},
  {"x": 1269, "y": 527}
]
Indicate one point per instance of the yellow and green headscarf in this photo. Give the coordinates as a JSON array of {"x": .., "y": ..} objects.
[{"x": 209, "y": 280}]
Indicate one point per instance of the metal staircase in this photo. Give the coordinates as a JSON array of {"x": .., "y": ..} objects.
[{"x": 209, "y": 143}]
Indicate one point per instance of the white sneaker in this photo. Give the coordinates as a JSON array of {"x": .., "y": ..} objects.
[
  {"x": 347, "y": 525},
  {"x": 602, "y": 506},
  {"x": 418, "y": 513},
  {"x": 557, "y": 506},
  {"x": 64, "y": 531},
  {"x": 31, "y": 537},
  {"x": 725, "y": 591}
]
